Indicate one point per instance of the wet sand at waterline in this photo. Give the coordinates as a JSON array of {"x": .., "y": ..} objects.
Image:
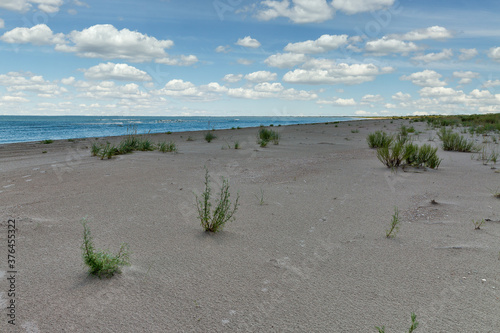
[{"x": 307, "y": 251}]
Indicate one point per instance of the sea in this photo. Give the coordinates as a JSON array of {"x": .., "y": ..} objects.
[{"x": 37, "y": 128}]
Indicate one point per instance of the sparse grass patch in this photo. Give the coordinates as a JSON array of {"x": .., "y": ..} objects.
[
  {"x": 394, "y": 227},
  {"x": 478, "y": 224},
  {"x": 102, "y": 263},
  {"x": 169, "y": 147},
  {"x": 268, "y": 135},
  {"x": 47, "y": 142},
  {"x": 413, "y": 327},
  {"x": 210, "y": 136},
  {"x": 214, "y": 221},
  {"x": 399, "y": 153},
  {"x": 236, "y": 145}
]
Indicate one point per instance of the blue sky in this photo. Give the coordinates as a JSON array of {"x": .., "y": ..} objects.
[{"x": 242, "y": 57}]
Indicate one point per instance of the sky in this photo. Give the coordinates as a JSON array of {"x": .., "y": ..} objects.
[{"x": 249, "y": 58}]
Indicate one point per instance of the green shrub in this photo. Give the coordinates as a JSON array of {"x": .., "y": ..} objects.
[
  {"x": 404, "y": 154},
  {"x": 379, "y": 139},
  {"x": 209, "y": 137},
  {"x": 102, "y": 263},
  {"x": 455, "y": 142},
  {"x": 213, "y": 221},
  {"x": 236, "y": 145},
  {"x": 267, "y": 135},
  {"x": 46, "y": 142},
  {"x": 145, "y": 145},
  {"x": 169, "y": 147}
]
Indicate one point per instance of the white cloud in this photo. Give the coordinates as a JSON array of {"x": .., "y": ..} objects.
[
  {"x": 467, "y": 54},
  {"x": 269, "y": 87},
  {"x": 368, "y": 99},
  {"x": 426, "y": 78},
  {"x": 232, "y": 78},
  {"x": 107, "y": 42},
  {"x": 432, "y": 57},
  {"x": 222, "y": 49},
  {"x": 339, "y": 102},
  {"x": 261, "y": 76},
  {"x": 28, "y": 82},
  {"x": 491, "y": 83},
  {"x": 300, "y": 11},
  {"x": 245, "y": 62},
  {"x": 285, "y": 60},
  {"x": 357, "y": 6},
  {"x": 439, "y": 92},
  {"x": 2, "y": 24},
  {"x": 48, "y": 6},
  {"x": 400, "y": 96},
  {"x": 494, "y": 53},
  {"x": 111, "y": 71},
  {"x": 324, "y": 43},
  {"x": 434, "y": 32},
  {"x": 466, "y": 77},
  {"x": 39, "y": 34},
  {"x": 68, "y": 81},
  {"x": 364, "y": 113},
  {"x": 182, "y": 60},
  {"x": 14, "y": 99},
  {"x": 110, "y": 90},
  {"x": 323, "y": 71},
  {"x": 385, "y": 46},
  {"x": 248, "y": 42}
]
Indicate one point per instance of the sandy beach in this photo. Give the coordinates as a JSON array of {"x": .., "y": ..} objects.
[{"x": 311, "y": 257}]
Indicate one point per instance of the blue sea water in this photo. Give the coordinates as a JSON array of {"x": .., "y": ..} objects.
[{"x": 37, "y": 128}]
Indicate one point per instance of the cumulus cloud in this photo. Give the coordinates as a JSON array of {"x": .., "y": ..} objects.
[
  {"x": 14, "y": 99},
  {"x": 465, "y": 77},
  {"x": 433, "y": 57},
  {"x": 232, "y": 78},
  {"x": 285, "y": 60},
  {"x": 39, "y": 34},
  {"x": 426, "y": 78},
  {"x": 107, "y": 42},
  {"x": 385, "y": 46},
  {"x": 261, "y": 76},
  {"x": 299, "y": 11},
  {"x": 369, "y": 99},
  {"x": 248, "y": 42},
  {"x": 110, "y": 90},
  {"x": 323, "y": 71},
  {"x": 338, "y": 102},
  {"x": 324, "y": 43},
  {"x": 269, "y": 87},
  {"x": 434, "y": 32},
  {"x": 222, "y": 49},
  {"x": 274, "y": 90},
  {"x": 182, "y": 60},
  {"x": 358, "y": 6},
  {"x": 112, "y": 71},
  {"x": 439, "y": 92},
  {"x": 467, "y": 54},
  {"x": 491, "y": 83},
  {"x": 48, "y": 6},
  {"x": 28, "y": 82},
  {"x": 494, "y": 53},
  {"x": 400, "y": 96}
]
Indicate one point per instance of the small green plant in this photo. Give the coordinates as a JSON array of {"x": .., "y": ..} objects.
[
  {"x": 44, "y": 152},
  {"x": 379, "y": 139},
  {"x": 355, "y": 131},
  {"x": 95, "y": 149},
  {"x": 413, "y": 327},
  {"x": 478, "y": 224},
  {"x": 169, "y": 147},
  {"x": 236, "y": 145},
  {"x": 46, "y": 142},
  {"x": 210, "y": 136},
  {"x": 394, "y": 228},
  {"x": 214, "y": 221},
  {"x": 145, "y": 144},
  {"x": 189, "y": 138},
  {"x": 102, "y": 263},
  {"x": 455, "y": 142},
  {"x": 260, "y": 197},
  {"x": 267, "y": 135},
  {"x": 107, "y": 151}
]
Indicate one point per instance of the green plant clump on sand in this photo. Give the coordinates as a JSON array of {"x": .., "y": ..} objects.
[
  {"x": 47, "y": 142},
  {"x": 102, "y": 263},
  {"x": 394, "y": 228},
  {"x": 214, "y": 221},
  {"x": 455, "y": 142},
  {"x": 169, "y": 147},
  {"x": 210, "y": 136},
  {"x": 266, "y": 136},
  {"x": 400, "y": 153},
  {"x": 379, "y": 139}
]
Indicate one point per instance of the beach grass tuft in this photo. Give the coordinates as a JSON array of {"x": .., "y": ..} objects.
[
  {"x": 210, "y": 136},
  {"x": 167, "y": 147},
  {"x": 47, "y": 142},
  {"x": 214, "y": 221},
  {"x": 379, "y": 139},
  {"x": 455, "y": 142},
  {"x": 267, "y": 135},
  {"x": 394, "y": 227},
  {"x": 102, "y": 263}
]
